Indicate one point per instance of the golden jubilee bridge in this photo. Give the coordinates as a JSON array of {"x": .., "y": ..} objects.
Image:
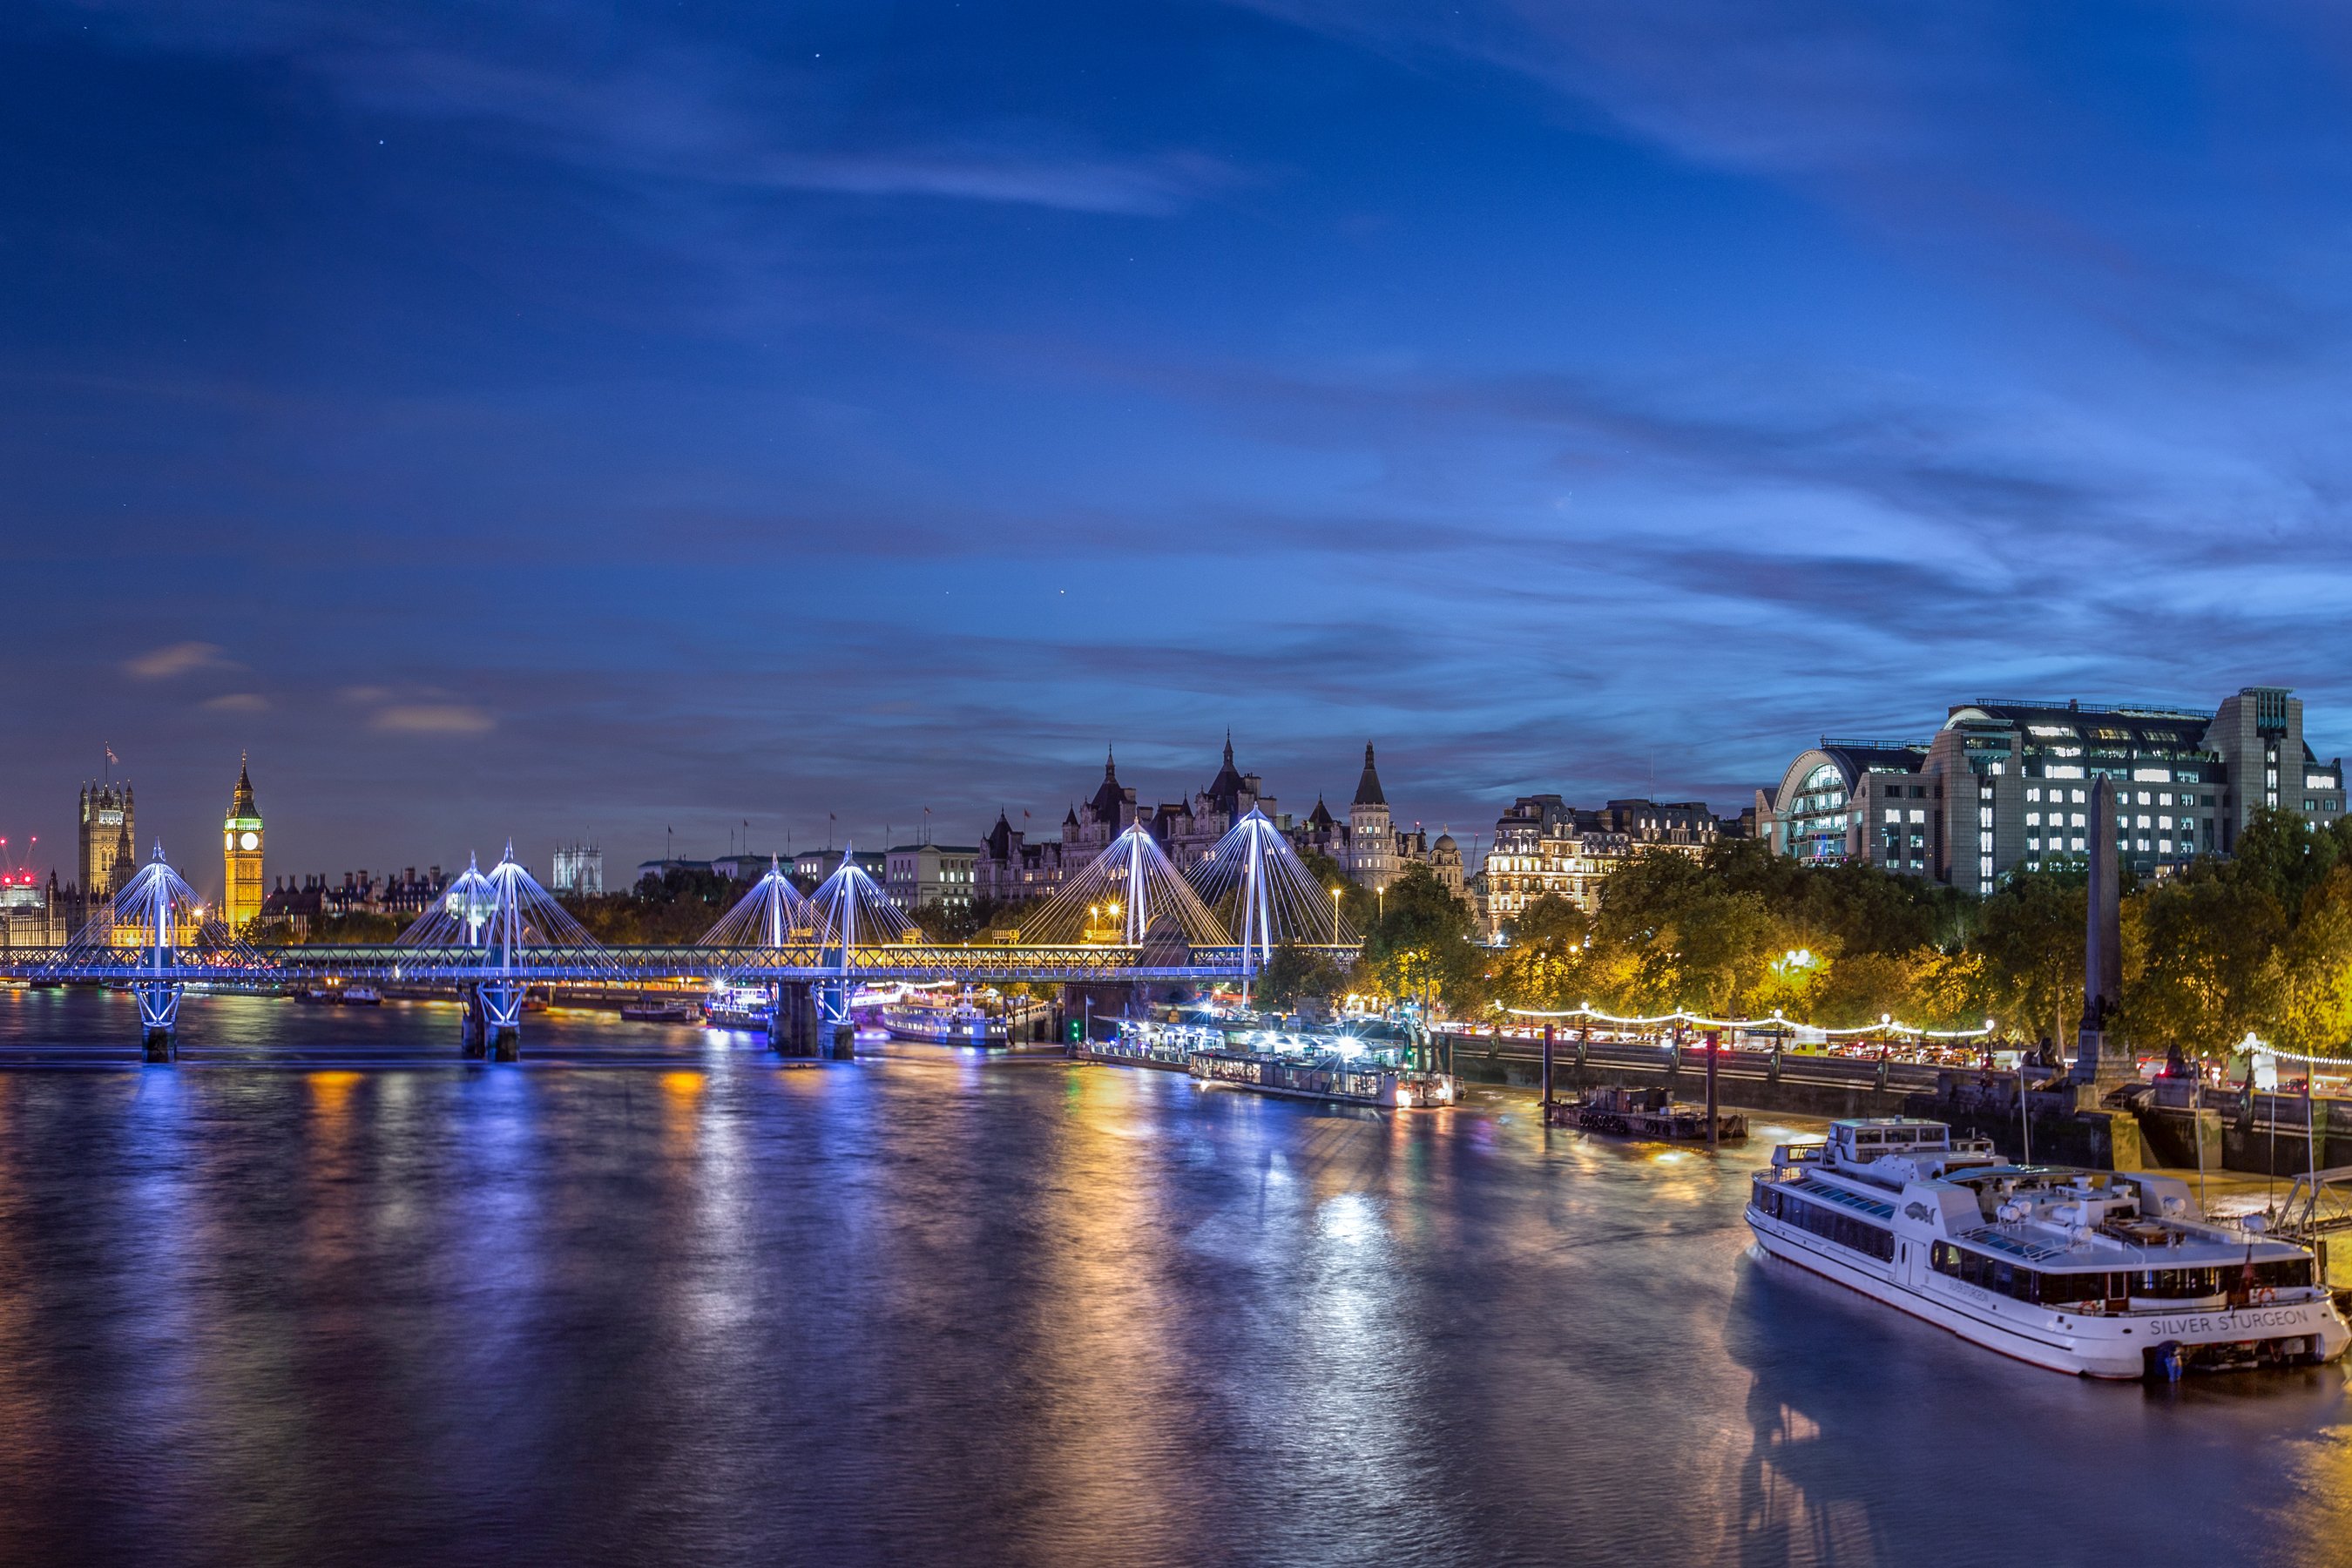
[{"x": 1129, "y": 918}]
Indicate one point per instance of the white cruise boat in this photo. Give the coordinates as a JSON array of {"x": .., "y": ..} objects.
[{"x": 2100, "y": 1273}]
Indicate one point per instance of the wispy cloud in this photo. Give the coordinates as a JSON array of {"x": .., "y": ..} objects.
[
  {"x": 686, "y": 113},
  {"x": 174, "y": 658},
  {"x": 235, "y": 702},
  {"x": 432, "y": 718},
  {"x": 1152, "y": 187}
]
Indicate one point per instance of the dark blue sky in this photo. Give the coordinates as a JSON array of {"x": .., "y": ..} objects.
[{"x": 547, "y": 419}]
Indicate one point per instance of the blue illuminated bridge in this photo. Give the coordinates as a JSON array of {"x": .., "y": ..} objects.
[{"x": 1129, "y": 919}]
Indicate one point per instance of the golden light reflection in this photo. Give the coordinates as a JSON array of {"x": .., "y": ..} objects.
[
  {"x": 1104, "y": 1273},
  {"x": 331, "y": 1091},
  {"x": 681, "y": 1105}
]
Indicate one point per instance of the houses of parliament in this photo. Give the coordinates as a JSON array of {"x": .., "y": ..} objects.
[{"x": 108, "y": 854}]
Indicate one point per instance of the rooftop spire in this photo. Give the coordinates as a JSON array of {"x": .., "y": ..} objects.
[
  {"x": 1367, "y": 788},
  {"x": 240, "y": 801}
]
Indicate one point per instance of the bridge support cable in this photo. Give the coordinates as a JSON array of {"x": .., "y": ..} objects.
[
  {"x": 768, "y": 926},
  {"x": 852, "y": 923},
  {"x": 1124, "y": 894},
  {"x": 1254, "y": 881},
  {"x": 154, "y": 936},
  {"x": 489, "y": 932},
  {"x": 773, "y": 916}
]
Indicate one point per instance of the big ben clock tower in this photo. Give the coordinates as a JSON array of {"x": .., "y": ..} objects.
[{"x": 241, "y": 855}]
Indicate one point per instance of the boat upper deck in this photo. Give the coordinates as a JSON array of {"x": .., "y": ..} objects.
[{"x": 2055, "y": 1217}]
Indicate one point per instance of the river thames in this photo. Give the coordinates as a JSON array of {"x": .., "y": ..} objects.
[{"x": 324, "y": 1294}]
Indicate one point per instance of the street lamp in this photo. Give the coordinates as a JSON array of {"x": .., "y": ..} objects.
[{"x": 1335, "y": 917}]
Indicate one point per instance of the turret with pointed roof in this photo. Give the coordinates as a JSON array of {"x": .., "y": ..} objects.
[
  {"x": 1109, "y": 796},
  {"x": 1372, "y": 836},
  {"x": 1224, "y": 791}
]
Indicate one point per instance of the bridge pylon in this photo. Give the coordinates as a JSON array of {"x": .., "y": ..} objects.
[
  {"x": 145, "y": 929},
  {"x": 505, "y": 928}
]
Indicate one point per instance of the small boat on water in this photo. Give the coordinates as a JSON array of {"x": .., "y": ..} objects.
[
  {"x": 2100, "y": 1273},
  {"x": 362, "y": 996},
  {"x": 1649, "y": 1113},
  {"x": 955, "y": 1023},
  {"x": 736, "y": 1007},
  {"x": 657, "y": 1010}
]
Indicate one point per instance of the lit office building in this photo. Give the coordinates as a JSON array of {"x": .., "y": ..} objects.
[{"x": 2007, "y": 784}]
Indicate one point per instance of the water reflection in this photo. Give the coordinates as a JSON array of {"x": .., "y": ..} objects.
[{"x": 935, "y": 1309}]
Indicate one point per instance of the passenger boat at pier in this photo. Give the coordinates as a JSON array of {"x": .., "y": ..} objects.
[
  {"x": 656, "y": 1010},
  {"x": 1645, "y": 1113},
  {"x": 951, "y": 1023},
  {"x": 2100, "y": 1273},
  {"x": 1348, "y": 1078},
  {"x": 1329, "y": 1079},
  {"x": 362, "y": 996}
]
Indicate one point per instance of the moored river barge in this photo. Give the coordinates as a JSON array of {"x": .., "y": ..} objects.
[
  {"x": 1332, "y": 1077},
  {"x": 1645, "y": 1113}
]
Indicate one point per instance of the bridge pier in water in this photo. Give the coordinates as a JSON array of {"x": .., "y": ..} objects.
[
  {"x": 490, "y": 1020},
  {"x": 159, "y": 1021},
  {"x": 809, "y": 1019}
]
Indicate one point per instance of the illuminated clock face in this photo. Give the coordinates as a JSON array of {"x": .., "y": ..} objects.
[{"x": 249, "y": 840}]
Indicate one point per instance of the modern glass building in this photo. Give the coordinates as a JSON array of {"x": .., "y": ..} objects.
[{"x": 2006, "y": 783}]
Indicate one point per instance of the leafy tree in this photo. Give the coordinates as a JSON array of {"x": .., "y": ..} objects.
[
  {"x": 1358, "y": 906},
  {"x": 1419, "y": 947},
  {"x": 1295, "y": 974},
  {"x": 1545, "y": 965},
  {"x": 948, "y": 922},
  {"x": 2203, "y": 959},
  {"x": 1863, "y": 987},
  {"x": 2030, "y": 942},
  {"x": 2313, "y": 1012},
  {"x": 358, "y": 929},
  {"x": 1848, "y": 907},
  {"x": 2288, "y": 857},
  {"x": 674, "y": 908},
  {"x": 1682, "y": 933}
]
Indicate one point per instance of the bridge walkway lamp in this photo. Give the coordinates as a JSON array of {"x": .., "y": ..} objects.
[{"x": 1335, "y": 917}]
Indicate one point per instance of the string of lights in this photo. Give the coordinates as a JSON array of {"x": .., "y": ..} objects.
[
  {"x": 1885, "y": 1026},
  {"x": 2264, "y": 1048}
]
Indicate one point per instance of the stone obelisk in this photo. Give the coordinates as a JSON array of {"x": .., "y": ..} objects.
[{"x": 2101, "y": 1064}]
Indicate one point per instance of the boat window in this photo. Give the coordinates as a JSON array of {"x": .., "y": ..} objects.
[
  {"x": 2073, "y": 1290},
  {"x": 2286, "y": 1274},
  {"x": 2168, "y": 1284},
  {"x": 1844, "y": 1229},
  {"x": 1994, "y": 1274}
]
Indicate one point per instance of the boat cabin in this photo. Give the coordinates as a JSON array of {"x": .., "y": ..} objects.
[{"x": 1860, "y": 1140}]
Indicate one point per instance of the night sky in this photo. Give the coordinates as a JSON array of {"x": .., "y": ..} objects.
[{"x": 550, "y": 420}]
